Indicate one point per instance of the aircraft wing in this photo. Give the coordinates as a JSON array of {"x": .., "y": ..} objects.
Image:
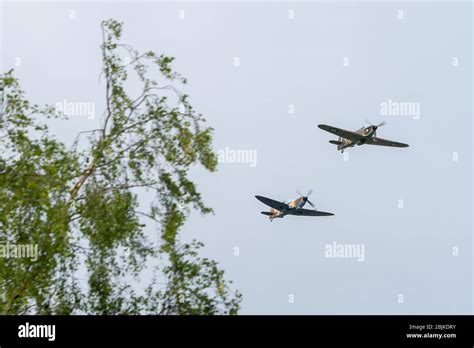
[
  {"x": 341, "y": 132},
  {"x": 309, "y": 212},
  {"x": 272, "y": 203},
  {"x": 384, "y": 142}
]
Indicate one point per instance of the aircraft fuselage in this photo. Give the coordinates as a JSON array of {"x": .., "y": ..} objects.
[
  {"x": 366, "y": 132},
  {"x": 292, "y": 205}
]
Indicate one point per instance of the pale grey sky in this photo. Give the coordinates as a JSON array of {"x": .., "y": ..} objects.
[{"x": 334, "y": 63}]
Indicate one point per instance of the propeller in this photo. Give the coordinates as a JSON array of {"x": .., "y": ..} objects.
[
  {"x": 305, "y": 197},
  {"x": 375, "y": 126}
]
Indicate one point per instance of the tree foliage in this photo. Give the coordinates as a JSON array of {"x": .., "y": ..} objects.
[{"x": 80, "y": 205}]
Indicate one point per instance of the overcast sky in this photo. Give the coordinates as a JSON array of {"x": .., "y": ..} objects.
[{"x": 264, "y": 74}]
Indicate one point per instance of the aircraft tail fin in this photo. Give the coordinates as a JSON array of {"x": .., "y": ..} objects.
[{"x": 339, "y": 142}]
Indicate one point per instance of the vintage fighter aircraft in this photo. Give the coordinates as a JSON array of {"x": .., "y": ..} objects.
[
  {"x": 365, "y": 135},
  {"x": 290, "y": 207}
]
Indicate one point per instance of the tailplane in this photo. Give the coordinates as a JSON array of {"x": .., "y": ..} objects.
[{"x": 339, "y": 142}]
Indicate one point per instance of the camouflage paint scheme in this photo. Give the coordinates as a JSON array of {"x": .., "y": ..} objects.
[
  {"x": 292, "y": 207},
  {"x": 364, "y": 135}
]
